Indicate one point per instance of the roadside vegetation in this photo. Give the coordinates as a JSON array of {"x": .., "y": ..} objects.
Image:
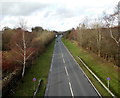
[
  {"x": 98, "y": 44},
  {"x": 19, "y": 50},
  {"x": 39, "y": 70}
]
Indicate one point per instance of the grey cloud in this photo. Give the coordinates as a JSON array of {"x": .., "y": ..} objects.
[
  {"x": 66, "y": 13},
  {"x": 47, "y": 14},
  {"x": 59, "y": 13},
  {"x": 20, "y": 8}
]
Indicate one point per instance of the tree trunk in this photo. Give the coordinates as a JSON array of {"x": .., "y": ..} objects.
[
  {"x": 118, "y": 56},
  {"x": 24, "y": 59},
  {"x": 23, "y": 71},
  {"x": 99, "y": 38},
  {"x": 99, "y": 52}
]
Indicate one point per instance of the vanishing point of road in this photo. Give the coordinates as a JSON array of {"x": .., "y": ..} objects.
[{"x": 66, "y": 78}]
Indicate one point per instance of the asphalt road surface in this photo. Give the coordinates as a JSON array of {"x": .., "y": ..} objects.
[{"x": 65, "y": 77}]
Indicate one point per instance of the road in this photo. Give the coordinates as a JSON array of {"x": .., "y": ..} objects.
[{"x": 65, "y": 77}]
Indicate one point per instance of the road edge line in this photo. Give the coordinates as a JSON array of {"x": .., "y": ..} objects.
[
  {"x": 84, "y": 72},
  {"x": 96, "y": 76},
  {"x": 46, "y": 89}
]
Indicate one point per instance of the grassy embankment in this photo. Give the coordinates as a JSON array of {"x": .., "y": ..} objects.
[
  {"x": 39, "y": 69},
  {"x": 100, "y": 67}
]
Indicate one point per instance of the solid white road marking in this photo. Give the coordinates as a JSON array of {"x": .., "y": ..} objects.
[
  {"x": 82, "y": 70},
  {"x": 62, "y": 55},
  {"x": 71, "y": 90},
  {"x": 66, "y": 71},
  {"x": 96, "y": 78},
  {"x": 63, "y": 60},
  {"x": 47, "y": 87},
  {"x": 51, "y": 68},
  {"x": 52, "y": 62}
]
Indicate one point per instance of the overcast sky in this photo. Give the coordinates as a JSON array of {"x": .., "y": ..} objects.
[{"x": 57, "y": 15}]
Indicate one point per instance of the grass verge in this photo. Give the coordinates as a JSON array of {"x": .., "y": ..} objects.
[
  {"x": 39, "y": 69},
  {"x": 100, "y": 67}
]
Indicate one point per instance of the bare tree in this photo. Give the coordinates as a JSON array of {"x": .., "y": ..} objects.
[
  {"x": 97, "y": 26},
  {"x": 81, "y": 29},
  {"x": 111, "y": 21},
  {"x": 21, "y": 44}
]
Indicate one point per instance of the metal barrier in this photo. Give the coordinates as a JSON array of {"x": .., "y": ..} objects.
[
  {"x": 96, "y": 77},
  {"x": 35, "y": 92}
]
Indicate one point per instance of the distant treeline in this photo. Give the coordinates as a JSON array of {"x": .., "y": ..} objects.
[
  {"x": 101, "y": 36},
  {"x": 97, "y": 40}
]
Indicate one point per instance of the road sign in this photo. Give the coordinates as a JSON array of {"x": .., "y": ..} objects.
[
  {"x": 34, "y": 79},
  {"x": 108, "y": 78}
]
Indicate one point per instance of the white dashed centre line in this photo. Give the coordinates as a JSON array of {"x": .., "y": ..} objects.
[
  {"x": 71, "y": 89},
  {"x": 67, "y": 75},
  {"x": 66, "y": 71},
  {"x": 62, "y": 55},
  {"x": 69, "y": 82},
  {"x": 63, "y": 61}
]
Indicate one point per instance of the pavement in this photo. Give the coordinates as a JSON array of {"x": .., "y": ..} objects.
[{"x": 66, "y": 78}]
